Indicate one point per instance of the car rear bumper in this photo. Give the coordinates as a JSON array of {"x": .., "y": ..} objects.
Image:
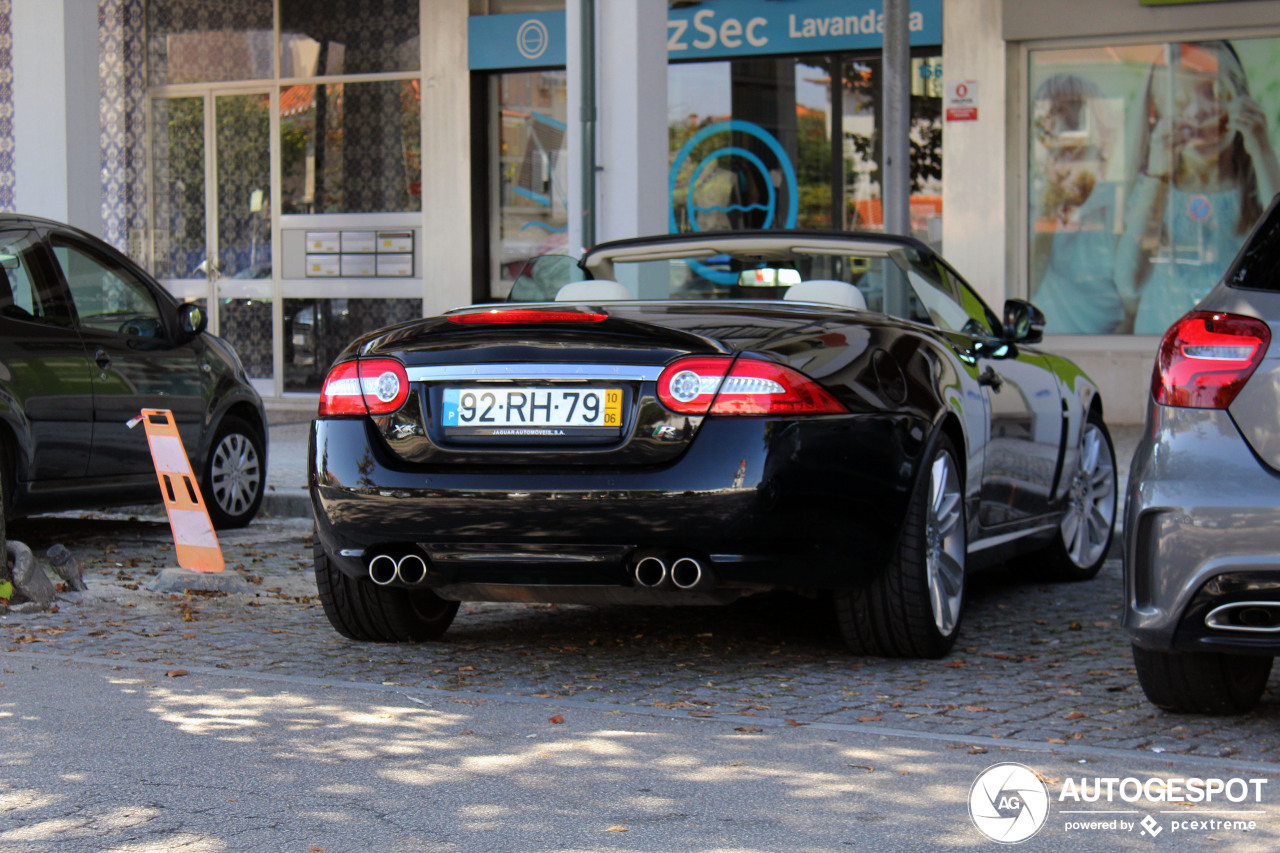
[
  {"x": 1202, "y": 534},
  {"x": 760, "y": 502}
]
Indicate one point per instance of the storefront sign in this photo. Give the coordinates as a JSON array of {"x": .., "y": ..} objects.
[
  {"x": 962, "y": 101},
  {"x": 711, "y": 31}
]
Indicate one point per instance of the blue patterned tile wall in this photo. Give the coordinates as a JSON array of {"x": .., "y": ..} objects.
[
  {"x": 122, "y": 82},
  {"x": 6, "y": 107}
]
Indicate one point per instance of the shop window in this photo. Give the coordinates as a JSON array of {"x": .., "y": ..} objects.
[
  {"x": 529, "y": 173},
  {"x": 1148, "y": 166},
  {"x": 753, "y": 145},
  {"x": 177, "y": 168},
  {"x": 326, "y": 37},
  {"x": 316, "y": 330},
  {"x": 195, "y": 41},
  {"x": 351, "y": 147}
]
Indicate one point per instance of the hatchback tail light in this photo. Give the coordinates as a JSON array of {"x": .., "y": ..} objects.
[
  {"x": 721, "y": 386},
  {"x": 370, "y": 386},
  {"x": 1205, "y": 359}
]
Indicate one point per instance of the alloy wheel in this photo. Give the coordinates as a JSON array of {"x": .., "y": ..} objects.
[
  {"x": 945, "y": 543},
  {"x": 1091, "y": 511}
]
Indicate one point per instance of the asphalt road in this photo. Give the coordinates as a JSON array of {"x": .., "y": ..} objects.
[{"x": 540, "y": 728}]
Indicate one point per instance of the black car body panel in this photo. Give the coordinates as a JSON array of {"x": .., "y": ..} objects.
[
  {"x": 802, "y": 503},
  {"x": 70, "y": 382}
]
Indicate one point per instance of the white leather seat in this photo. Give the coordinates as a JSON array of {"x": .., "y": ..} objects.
[
  {"x": 595, "y": 290},
  {"x": 828, "y": 292}
]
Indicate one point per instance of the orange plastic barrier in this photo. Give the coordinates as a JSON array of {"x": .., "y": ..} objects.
[{"x": 197, "y": 544}]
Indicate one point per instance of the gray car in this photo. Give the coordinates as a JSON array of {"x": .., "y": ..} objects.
[{"x": 1202, "y": 521}]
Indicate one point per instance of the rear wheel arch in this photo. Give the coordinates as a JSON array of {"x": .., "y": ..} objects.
[
  {"x": 12, "y": 464},
  {"x": 951, "y": 428}
]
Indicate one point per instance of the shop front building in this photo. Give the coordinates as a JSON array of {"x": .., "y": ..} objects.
[{"x": 313, "y": 169}]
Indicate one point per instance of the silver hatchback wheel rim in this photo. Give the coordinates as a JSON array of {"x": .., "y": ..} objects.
[
  {"x": 945, "y": 543},
  {"x": 235, "y": 474},
  {"x": 1091, "y": 508}
]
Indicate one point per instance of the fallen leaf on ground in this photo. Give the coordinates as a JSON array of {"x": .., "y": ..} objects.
[
  {"x": 557, "y": 719},
  {"x": 175, "y": 673},
  {"x": 617, "y": 829}
]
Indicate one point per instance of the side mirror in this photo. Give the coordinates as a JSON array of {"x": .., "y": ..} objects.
[
  {"x": 191, "y": 319},
  {"x": 1023, "y": 322}
]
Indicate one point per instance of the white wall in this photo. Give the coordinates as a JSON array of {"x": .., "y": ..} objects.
[
  {"x": 631, "y": 89},
  {"x": 974, "y": 174},
  {"x": 446, "y": 156},
  {"x": 55, "y": 111}
]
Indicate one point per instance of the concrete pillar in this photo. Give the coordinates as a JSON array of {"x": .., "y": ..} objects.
[
  {"x": 55, "y": 111},
  {"x": 975, "y": 154},
  {"x": 446, "y": 155},
  {"x": 631, "y": 110}
]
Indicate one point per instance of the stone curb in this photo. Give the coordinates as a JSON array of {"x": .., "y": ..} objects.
[{"x": 287, "y": 503}]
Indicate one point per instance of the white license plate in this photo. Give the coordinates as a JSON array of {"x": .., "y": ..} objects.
[{"x": 531, "y": 411}]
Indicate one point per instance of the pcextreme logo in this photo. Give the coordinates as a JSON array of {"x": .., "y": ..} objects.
[{"x": 1010, "y": 803}]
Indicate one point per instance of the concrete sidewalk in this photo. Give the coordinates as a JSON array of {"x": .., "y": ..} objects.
[
  {"x": 286, "y": 495},
  {"x": 287, "y": 466}
]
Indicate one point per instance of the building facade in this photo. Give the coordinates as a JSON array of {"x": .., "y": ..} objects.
[{"x": 312, "y": 169}]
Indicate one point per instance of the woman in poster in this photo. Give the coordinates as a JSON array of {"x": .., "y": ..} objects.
[
  {"x": 1206, "y": 168},
  {"x": 1075, "y": 229}
]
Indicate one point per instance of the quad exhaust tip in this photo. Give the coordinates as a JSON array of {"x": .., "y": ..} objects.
[
  {"x": 686, "y": 573},
  {"x": 656, "y": 571},
  {"x": 651, "y": 572},
  {"x": 385, "y": 569}
]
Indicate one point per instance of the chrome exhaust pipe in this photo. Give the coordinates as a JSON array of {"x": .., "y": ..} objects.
[
  {"x": 686, "y": 573},
  {"x": 382, "y": 569},
  {"x": 412, "y": 569},
  {"x": 651, "y": 572},
  {"x": 1254, "y": 617}
]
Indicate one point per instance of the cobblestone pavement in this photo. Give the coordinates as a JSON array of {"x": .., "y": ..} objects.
[{"x": 1039, "y": 663}]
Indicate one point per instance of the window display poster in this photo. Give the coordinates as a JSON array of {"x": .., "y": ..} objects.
[{"x": 1148, "y": 166}]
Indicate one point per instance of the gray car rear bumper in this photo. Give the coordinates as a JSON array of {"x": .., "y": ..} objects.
[{"x": 1200, "y": 506}]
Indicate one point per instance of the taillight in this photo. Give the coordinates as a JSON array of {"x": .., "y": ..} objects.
[
  {"x": 505, "y": 316},
  {"x": 1205, "y": 359},
  {"x": 720, "y": 386},
  {"x": 370, "y": 386}
]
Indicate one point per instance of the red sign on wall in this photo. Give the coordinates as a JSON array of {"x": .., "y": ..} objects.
[{"x": 962, "y": 101}]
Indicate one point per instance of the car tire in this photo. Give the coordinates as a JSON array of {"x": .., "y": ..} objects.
[
  {"x": 1083, "y": 537},
  {"x": 361, "y": 610},
  {"x": 235, "y": 474},
  {"x": 1202, "y": 682},
  {"x": 914, "y": 607},
  {"x": 5, "y": 497}
]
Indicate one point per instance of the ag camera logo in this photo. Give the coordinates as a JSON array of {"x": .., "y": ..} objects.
[{"x": 1008, "y": 803}]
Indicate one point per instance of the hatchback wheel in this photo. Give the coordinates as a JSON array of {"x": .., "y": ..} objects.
[
  {"x": 235, "y": 475},
  {"x": 1202, "y": 682},
  {"x": 914, "y": 607}
]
